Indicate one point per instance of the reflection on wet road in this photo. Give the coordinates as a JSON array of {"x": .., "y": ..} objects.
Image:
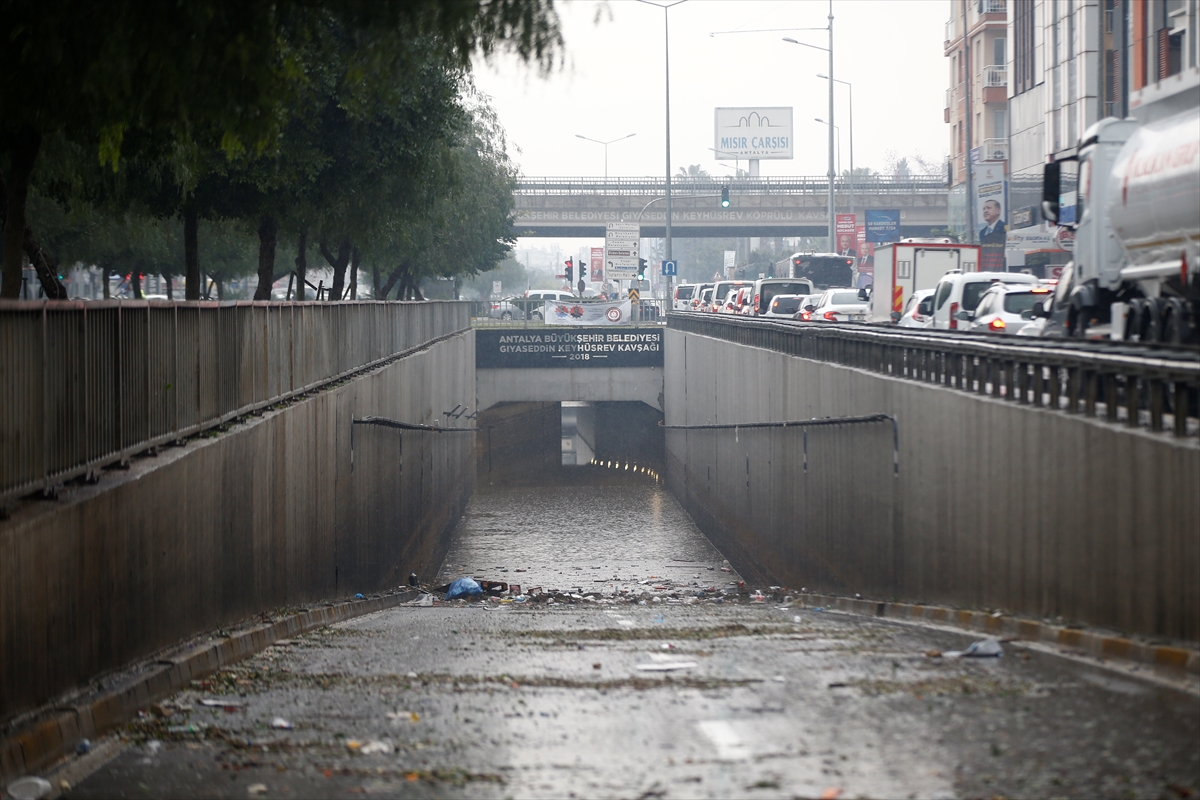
[{"x": 622, "y": 696}]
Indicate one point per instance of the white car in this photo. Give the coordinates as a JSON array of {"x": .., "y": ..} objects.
[
  {"x": 919, "y": 311},
  {"x": 684, "y": 293},
  {"x": 1002, "y": 308},
  {"x": 767, "y": 288},
  {"x": 784, "y": 305},
  {"x": 958, "y": 293},
  {"x": 842, "y": 304},
  {"x": 724, "y": 293}
]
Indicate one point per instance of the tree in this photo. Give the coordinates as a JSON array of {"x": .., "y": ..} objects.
[{"x": 206, "y": 74}]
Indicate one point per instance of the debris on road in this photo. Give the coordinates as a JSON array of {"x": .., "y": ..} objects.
[
  {"x": 463, "y": 587},
  {"x": 221, "y": 702},
  {"x": 30, "y": 788},
  {"x": 984, "y": 648},
  {"x": 667, "y": 666},
  {"x": 281, "y": 724}
]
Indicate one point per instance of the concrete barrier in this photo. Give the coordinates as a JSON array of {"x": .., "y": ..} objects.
[
  {"x": 996, "y": 505},
  {"x": 278, "y": 510}
]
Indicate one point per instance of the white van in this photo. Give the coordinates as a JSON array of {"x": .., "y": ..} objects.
[
  {"x": 958, "y": 294},
  {"x": 765, "y": 289}
]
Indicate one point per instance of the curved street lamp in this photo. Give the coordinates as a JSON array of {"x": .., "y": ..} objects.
[{"x": 606, "y": 144}]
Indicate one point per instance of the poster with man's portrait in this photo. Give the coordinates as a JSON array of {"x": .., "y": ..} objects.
[{"x": 990, "y": 195}]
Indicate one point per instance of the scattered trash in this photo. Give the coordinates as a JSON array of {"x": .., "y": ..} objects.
[
  {"x": 424, "y": 601},
  {"x": 819, "y": 608},
  {"x": 463, "y": 587},
  {"x": 358, "y": 596},
  {"x": 837, "y": 685},
  {"x": 281, "y": 724},
  {"x": 412, "y": 579},
  {"x": 669, "y": 666},
  {"x": 353, "y": 745},
  {"x": 375, "y": 747},
  {"x": 933, "y": 653},
  {"x": 189, "y": 728},
  {"x": 668, "y": 646},
  {"x": 219, "y": 702},
  {"x": 832, "y": 793},
  {"x": 29, "y": 788},
  {"x": 411, "y": 675},
  {"x": 153, "y": 746},
  {"x": 256, "y": 789},
  {"x": 779, "y": 679},
  {"x": 514, "y": 588},
  {"x": 758, "y": 597},
  {"x": 596, "y": 666},
  {"x": 84, "y": 747},
  {"x": 725, "y": 569},
  {"x": 984, "y": 648}
]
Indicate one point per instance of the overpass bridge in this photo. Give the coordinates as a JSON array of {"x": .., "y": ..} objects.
[
  {"x": 230, "y": 461},
  {"x": 759, "y": 206}
]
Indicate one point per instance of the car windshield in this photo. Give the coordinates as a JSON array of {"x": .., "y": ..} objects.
[
  {"x": 770, "y": 290},
  {"x": 1016, "y": 302},
  {"x": 786, "y": 305},
  {"x": 685, "y": 292},
  {"x": 844, "y": 299}
]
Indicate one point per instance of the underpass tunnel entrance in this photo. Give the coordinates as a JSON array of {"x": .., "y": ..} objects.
[{"x": 531, "y": 443}]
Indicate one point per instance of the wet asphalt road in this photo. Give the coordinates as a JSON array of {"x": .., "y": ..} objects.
[{"x": 679, "y": 697}]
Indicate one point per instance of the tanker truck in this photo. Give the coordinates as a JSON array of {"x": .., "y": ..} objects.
[{"x": 1131, "y": 197}]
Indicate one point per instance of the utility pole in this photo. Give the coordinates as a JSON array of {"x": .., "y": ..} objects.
[
  {"x": 832, "y": 212},
  {"x": 971, "y": 232}
]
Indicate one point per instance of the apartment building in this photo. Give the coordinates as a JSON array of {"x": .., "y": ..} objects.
[
  {"x": 1072, "y": 63},
  {"x": 976, "y": 46}
]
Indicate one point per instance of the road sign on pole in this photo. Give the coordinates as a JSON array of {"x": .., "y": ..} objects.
[
  {"x": 669, "y": 267},
  {"x": 622, "y": 243}
]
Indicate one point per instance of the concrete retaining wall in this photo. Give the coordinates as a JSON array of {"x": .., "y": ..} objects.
[
  {"x": 996, "y": 505},
  {"x": 271, "y": 513}
]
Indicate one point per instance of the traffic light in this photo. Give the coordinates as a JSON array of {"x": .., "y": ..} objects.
[
  {"x": 582, "y": 269},
  {"x": 570, "y": 270},
  {"x": 641, "y": 269},
  {"x": 724, "y": 197}
]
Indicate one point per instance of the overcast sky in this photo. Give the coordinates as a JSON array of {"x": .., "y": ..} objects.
[{"x": 612, "y": 83}]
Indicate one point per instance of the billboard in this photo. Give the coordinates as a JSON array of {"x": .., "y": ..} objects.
[
  {"x": 990, "y": 199},
  {"x": 883, "y": 225},
  {"x": 596, "y": 268},
  {"x": 759, "y": 132},
  {"x": 866, "y": 257},
  {"x": 843, "y": 227}
]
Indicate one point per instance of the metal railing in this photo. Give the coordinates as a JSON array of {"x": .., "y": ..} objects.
[
  {"x": 1117, "y": 382},
  {"x": 995, "y": 76},
  {"x": 683, "y": 186},
  {"x": 995, "y": 150},
  {"x": 521, "y": 313},
  {"x": 84, "y": 385}
]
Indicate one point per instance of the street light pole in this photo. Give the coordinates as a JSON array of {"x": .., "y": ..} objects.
[
  {"x": 606, "y": 144},
  {"x": 839, "y": 143},
  {"x": 831, "y": 232},
  {"x": 850, "y": 89}
]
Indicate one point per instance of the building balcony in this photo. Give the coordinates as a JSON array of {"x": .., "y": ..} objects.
[
  {"x": 994, "y": 150},
  {"x": 992, "y": 6},
  {"x": 995, "y": 76},
  {"x": 946, "y": 111}
]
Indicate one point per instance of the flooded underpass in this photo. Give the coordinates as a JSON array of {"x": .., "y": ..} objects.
[{"x": 633, "y": 665}]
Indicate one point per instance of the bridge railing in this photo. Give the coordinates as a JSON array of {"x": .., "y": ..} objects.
[
  {"x": 709, "y": 185},
  {"x": 517, "y": 312},
  {"x": 1120, "y": 383},
  {"x": 84, "y": 385}
]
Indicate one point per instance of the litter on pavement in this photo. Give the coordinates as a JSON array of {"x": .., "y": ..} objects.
[{"x": 984, "y": 648}]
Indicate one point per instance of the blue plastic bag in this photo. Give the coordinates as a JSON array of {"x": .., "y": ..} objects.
[{"x": 463, "y": 587}]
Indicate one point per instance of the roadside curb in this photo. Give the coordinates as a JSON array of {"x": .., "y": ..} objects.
[
  {"x": 1179, "y": 660},
  {"x": 56, "y": 735}
]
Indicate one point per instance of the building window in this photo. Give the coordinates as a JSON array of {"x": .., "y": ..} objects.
[
  {"x": 998, "y": 51},
  {"x": 1000, "y": 123},
  {"x": 1024, "y": 70}
]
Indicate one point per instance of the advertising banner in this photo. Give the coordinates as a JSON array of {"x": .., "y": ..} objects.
[
  {"x": 759, "y": 132},
  {"x": 844, "y": 228},
  {"x": 990, "y": 199},
  {"x": 570, "y": 313},
  {"x": 596, "y": 268},
  {"x": 866, "y": 256},
  {"x": 883, "y": 225}
]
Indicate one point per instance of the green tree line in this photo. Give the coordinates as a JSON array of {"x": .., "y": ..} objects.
[{"x": 339, "y": 132}]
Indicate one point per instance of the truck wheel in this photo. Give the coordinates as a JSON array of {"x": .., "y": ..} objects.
[
  {"x": 1133, "y": 321},
  {"x": 1175, "y": 327},
  {"x": 1152, "y": 320}
]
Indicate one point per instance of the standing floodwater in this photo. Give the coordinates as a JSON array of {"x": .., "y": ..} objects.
[{"x": 587, "y": 538}]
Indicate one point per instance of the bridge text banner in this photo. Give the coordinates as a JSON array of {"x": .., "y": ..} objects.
[{"x": 568, "y": 348}]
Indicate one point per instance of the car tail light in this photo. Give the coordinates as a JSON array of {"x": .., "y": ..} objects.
[
  {"x": 997, "y": 325},
  {"x": 831, "y": 315},
  {"x": 756, "y": 301},
  {"x": 917, "y": 317},
  {"x": 495, "y": 305},
  {"x": 953, "y": 318},
  {"x": 806, "y": 315}
]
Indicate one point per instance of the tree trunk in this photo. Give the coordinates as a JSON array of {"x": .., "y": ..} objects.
[
  {"x": 220, "y": 288},
  {"x": 389, "y": 283},
  {"x": 191, "y": 254},
  {"x": 266, "y": 257},
  {"x": 339, "y": 266},
  {"x": 105, "y": 276},
  {"x": 170, "y": 287},
  {"x": 135, "y": 281},
  {"x": 25, "y": 148},
  {"x": 45, "y": 266},
  {"x": 355, "y": 260},
  {"x": 302, "y": 263},
  {"x": 375, "y": 282}
]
